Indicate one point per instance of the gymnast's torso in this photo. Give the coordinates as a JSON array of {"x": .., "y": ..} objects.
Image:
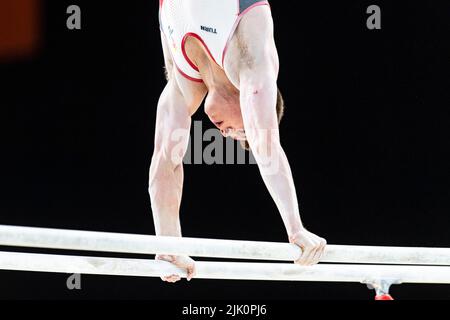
[{"x": 212, "y": 23}]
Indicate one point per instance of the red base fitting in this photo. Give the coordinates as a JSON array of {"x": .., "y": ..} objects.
[{"x": 384, "y": 297}]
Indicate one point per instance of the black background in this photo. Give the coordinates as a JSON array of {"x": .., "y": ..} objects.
[{"x": 366, "y": 132}]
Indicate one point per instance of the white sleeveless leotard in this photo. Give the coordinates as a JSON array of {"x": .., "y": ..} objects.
[{"x": 212, "y": 22}]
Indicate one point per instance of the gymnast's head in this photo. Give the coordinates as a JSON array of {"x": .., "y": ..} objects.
[{"x": 225, "y": 112}]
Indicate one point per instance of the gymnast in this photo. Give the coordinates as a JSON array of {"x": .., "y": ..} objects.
[{"x": 224, "y": 51}]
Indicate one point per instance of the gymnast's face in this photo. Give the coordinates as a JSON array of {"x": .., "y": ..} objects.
[{"x": 225, "y": 112}]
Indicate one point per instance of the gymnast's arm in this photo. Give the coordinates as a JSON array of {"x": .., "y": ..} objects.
[
  {"x": 258, "y": 74},
  {"x": 172, "y": 129},
  {"x": 166, "y": 170},
  {"x": 178, "y": 101}
]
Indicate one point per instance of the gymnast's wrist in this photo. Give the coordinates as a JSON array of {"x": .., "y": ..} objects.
[{"x": 293, "y": 236}]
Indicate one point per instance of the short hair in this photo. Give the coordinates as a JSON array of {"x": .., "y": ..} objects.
[{"x": 280, "y": 113}]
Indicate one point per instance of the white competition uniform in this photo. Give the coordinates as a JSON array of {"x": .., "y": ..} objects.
[{"x": 213, "y": 22}]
